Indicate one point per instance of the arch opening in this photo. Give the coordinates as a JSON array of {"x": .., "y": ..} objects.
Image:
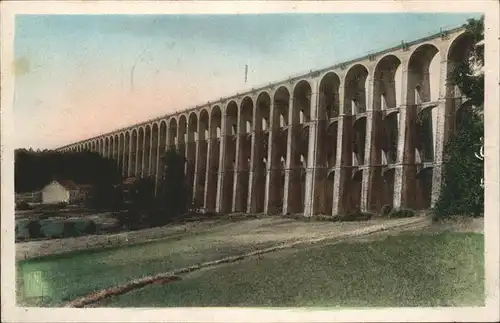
[
  {"x": 140, "y": 153},
  {"x": 387, "y": 83},
  {"x": 230, "y": 156},
  {"x": 281, "y": 106},
  {"x": 213, "y": 162},
  {"x": 355, "y": 90},
  {"x": 202, "y": 155},
  {"x": 329, "y": 100}
]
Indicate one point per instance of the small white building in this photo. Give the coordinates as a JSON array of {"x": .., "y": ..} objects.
[{"x": 60, "y": 191}]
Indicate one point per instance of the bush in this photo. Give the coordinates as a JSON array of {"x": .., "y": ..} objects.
[
  {"x": 401, "y": 213},
  {"x": 35, "y": 229},
  {"x": 321, "y": 217},
  {"x": 61, "y": 205},
  {"x": 355, "y": 216},
  {"x": 129, "y": 219},
  {"x": 386, "y": 209},
  {"x": 91, "y": 228},
  {"x": 22, "y": 206},
  {"x": 70, "y": 230}
]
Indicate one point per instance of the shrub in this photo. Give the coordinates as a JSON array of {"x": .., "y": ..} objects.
[
  {"x": 61, "y": 205},
  {"x": 355, "y": 216},
  {"x": 401, "y": 213},
  {"x": 22, "y": 206},
  {"x": 321, "y": 217},
  {"x": 35, "y": 229},
  {"x": 129, "y": 219},
  {"x": 91, "y": 228},
  {"x": 70, "y": 230},
  {"x": 386, "y": 209}
]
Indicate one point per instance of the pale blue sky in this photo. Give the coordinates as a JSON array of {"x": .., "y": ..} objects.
[{"x": 74, "y": 71}]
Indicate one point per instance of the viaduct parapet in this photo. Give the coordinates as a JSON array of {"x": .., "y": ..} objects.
[{"x": 359, "y": 135}]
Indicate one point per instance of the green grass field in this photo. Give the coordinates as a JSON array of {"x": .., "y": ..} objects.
[
  {"x": 445, "y": 269},
  {"x": 48, "y": 281}
]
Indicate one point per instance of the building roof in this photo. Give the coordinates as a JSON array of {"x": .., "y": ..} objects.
[{"x": 68, "y": 184}]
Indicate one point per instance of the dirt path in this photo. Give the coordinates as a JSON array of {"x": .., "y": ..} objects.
[{"x": 253, "y": 231}]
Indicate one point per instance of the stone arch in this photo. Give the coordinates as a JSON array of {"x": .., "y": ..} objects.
[
  {"x": 390, "y": 138},
  {"x": 140, "y": 153},
  {"x": 329, "y": 100},
  {"x": 355, "y": 90},
  {"x": 425, "y": 137},
  {"x": 281, "y": 106},
  {"x": 126, "y": 160},
  {"x": 192, "y": 137},
  {"x": 116, "y": 148},
  {"x": 101, "y": 146},
  {"x": 358, "y": 144},
  {"x": 326, "y": 141},
  {"x": 107, "y": 148},
  {"x": 299, "y": 144},
  {"x": 424, "y": 84},
  {"x": 121, "y": 152},
  {"x": 213, "y": 159},
  {"x": 423, "y": 74},
  {"x": 172, "y": 134},
  {"x": 134, "y": 156},
  {"x": 387, "y": 83},
  {"x": 182, "y": 135},
  {"x": 261, "y": 142},
  {"x": 154, "y": 149},
  {"x": 246, "y": 115},
  {"x": 245, "y": 138},
  {"x": 147, "y": 151},
  {"x": 162, "y": 147},
  {"x": 203, "y": 136},
  {"x": 457, "y": 54},
  {"x": 331, "y": 144},
  {"x": 231, "y": 130},
  {"x": 302, "y": 102},
  {"x": 215, "y": 122},
  {"x": 192, "y": 127}
]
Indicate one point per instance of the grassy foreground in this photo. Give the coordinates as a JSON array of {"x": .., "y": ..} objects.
[
  {"x": 51, "y": 280},
  {"x": 445, "y": 269}
]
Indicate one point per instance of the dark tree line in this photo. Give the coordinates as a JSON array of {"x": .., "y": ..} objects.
[{"x": 35, "y": 169}]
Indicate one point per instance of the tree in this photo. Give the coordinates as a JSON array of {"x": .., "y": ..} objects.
[
  {"x": 461, "y": 190},
  {"x": 142, "y": 193},
  {"x": 173, "y": 196}
]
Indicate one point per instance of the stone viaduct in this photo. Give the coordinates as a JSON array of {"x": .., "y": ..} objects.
[{"x": 358, "y": 135}]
